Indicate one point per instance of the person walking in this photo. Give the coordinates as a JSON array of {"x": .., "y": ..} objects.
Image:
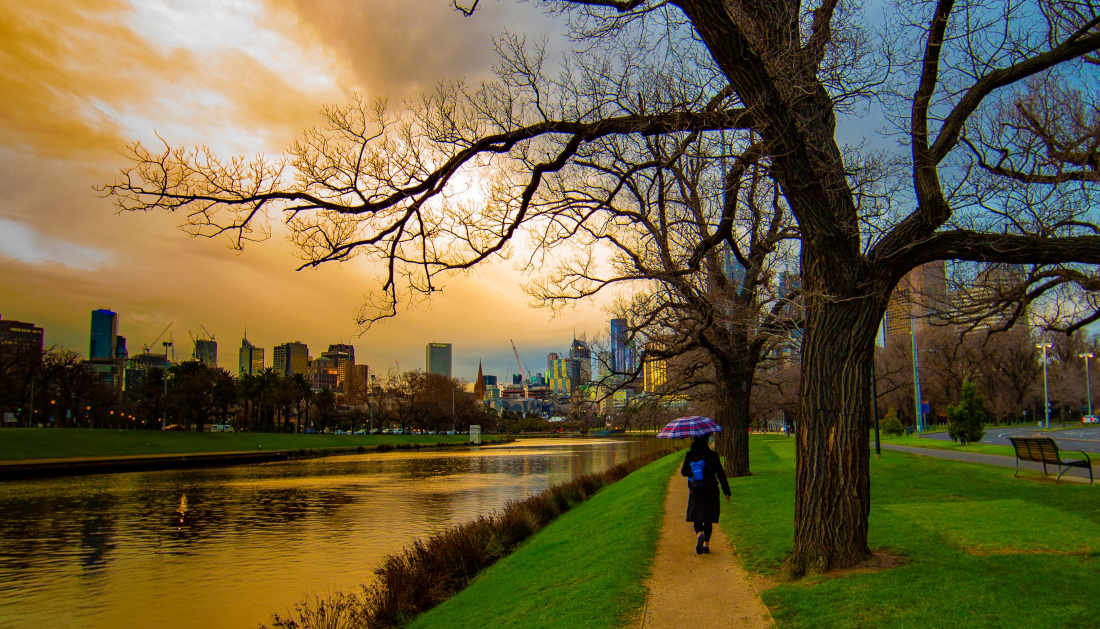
[{"x": 703, "y": 469}]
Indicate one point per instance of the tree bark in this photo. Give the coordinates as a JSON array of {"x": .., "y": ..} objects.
[
  {"x": 731, "y": 410},
  {"x": 832, "y": 484}
]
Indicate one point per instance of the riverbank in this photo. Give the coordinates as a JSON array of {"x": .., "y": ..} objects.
[
  {"x": 588, "y": 568},
  {"x": 968, "y": 546},
  {"x": 40, "y": 452}
]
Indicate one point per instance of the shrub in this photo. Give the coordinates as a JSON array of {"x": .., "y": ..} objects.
[
  {"x": 891, "y": 425},
  {"x": 966, "y": 420},
  {"x": 426, "y": 573}
]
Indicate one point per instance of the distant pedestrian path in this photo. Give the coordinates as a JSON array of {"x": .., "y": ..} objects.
[
  {"x": 986, "y": 459},
  {"x": 689, "y": 590}
]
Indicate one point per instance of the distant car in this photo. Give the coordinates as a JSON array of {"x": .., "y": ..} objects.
[
  {"x": 1090, "y": 419},
  {"x": 310, "y": 431},
  {"x": 361, "y": 431},
  {"x": 176, "y": 428},
  {"x": 221, "y": 428}
]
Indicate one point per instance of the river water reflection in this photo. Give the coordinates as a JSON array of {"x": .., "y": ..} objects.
[{"x": 226, "y": 547}]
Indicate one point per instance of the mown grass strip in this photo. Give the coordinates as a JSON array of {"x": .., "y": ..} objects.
[
  {"x": 37, "y": 443},
  {"x": 587, "y": 569},
  {"x": 981, "y": 548}
]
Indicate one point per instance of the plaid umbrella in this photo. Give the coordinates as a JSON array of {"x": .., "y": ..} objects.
[{"x": 685, "y": 427}]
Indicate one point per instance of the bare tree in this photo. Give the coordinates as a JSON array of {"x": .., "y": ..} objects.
[{"x": 776, "y": 72}]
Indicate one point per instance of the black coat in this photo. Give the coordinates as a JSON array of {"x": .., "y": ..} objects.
[{"x": 703, "y": 504}]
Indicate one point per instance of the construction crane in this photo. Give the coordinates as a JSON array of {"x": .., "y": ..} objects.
[
  {"x": 154, "y": 341},
  {"x": 203, "y": 328},
  {"x": 526, "y": 375}
]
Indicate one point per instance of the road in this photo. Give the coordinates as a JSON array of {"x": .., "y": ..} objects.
[{"x": 1084, "y": 438}]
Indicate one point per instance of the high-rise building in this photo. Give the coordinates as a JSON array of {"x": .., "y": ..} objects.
[
  {"x": 323, "y": 374},
  {"x": 550, "y": 358},
  {"x": 120, "y": 348},
  {"x": 206, "y": 352},
  {"x": 580, "y": 352},
  {"x": 104, "y": 336},
  {"x": 250, "y": 359},
  {"x": 654, "y": 371},
  {"x": 290, "y": 358},
  {"x": 733, "y": 269},
  {"x": 21, "y": 335},
  {"x": 917, "y": 298},
  {"x": 437, "y": 358},
  {"x": 343, "y": 360},
  {"x": 622, "y": 353},
  {"x": 137, "y": 372}
]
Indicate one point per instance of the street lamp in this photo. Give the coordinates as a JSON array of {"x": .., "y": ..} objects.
[
  {"x": 164, "y": 405},
  {"x": 916, "y": 376},
  {"x": 1088, "y": 382},
  {"x": 1046, "y": 384}
]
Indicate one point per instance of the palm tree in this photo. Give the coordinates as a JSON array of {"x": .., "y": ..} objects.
[{"x": 305, "y": 394}]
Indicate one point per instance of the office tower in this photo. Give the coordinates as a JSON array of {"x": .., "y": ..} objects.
[
  {"x": 563, "y": 375},
  {"x": 437, "y": 358},
  {"x": 917, "y": 298},
  {"x": 290, "y": 358},
  {"x": 206, "y": 352},
  {"x": 517, "y": 378},
  {"x": 654, "y": 371},
  {"x": 733, "y": 269},
  {"x": 550, "y": 358},
  {"x": 343, "y": 360},
  {"x": 136, "y": 372},
  {"x": 358, "y": 389},
  {"x": 21, "y": 335},
  {"x": 580, "y": 353},
  {"x": 323, "y": 374},
  {"x": 623, "y": 359},
  {"x": 120, "y": 348},
  {"x": 490, "y": 380},
  {"x": 250, "y": 358},
  {"x": 104, "y": 334}
]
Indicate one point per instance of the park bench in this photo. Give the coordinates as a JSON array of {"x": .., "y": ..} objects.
[{"x": 1044, "y": 450}]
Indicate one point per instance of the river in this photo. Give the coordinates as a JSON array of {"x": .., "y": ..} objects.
[{"x": 226, "y": 547}]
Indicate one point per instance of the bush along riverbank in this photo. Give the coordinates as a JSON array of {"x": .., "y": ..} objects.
[{"x": 430, "y": 571}]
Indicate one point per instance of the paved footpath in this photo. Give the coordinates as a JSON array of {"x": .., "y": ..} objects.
[
  {"x": 708, "y": 591},
  {"x": 996, "y": 459}
]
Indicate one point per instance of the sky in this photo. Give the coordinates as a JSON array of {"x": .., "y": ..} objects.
[{"x": 83, "y": 78}]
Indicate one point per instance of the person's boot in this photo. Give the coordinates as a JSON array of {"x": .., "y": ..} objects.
[{"x": 699, "y": 545}]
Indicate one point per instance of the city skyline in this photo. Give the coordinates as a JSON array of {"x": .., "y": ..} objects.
[{"x": 244, "y": 78}]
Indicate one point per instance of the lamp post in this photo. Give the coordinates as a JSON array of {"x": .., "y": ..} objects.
[
  {"x": 874, "y": 393},
  {"x": 164, "y": 406},
  {"x": 1088, "y": 382},
  {"x": 1046, "y": 385},
  {"x": 916, "y": 376}
]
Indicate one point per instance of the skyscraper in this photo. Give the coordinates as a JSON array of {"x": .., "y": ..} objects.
[
  {"x": 343, "y": 360},
  {"x": 918, "y": 296},
  {"x": 21, "y": 335},
  {"x": 104, "y": 336},
  {"x": 437, "y": 358},
  {"x": 206, "y": 352},
  {"x": 622, "y": 353},
  {"x": 250, "y": 358},
  {"x": 290, "y": 358}
]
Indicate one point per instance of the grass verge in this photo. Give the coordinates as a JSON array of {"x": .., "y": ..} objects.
[
  {"x": 46, "y": 443},
  {"x": 982, "y": 549},
  {"x": 587, "y": 569},
  {"x": 431, "y": 571},
  {"x": 936, "y": 444}
]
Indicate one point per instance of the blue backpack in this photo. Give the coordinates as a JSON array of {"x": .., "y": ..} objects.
[{"x": 695, "y": 481}]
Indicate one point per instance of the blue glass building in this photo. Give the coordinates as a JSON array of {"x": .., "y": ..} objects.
[{"x": 104, "y": 336}]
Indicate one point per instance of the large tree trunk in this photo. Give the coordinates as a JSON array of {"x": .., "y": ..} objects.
[
  {"x": 832, "y": 486},
  {"x": 731, "y": 410}
]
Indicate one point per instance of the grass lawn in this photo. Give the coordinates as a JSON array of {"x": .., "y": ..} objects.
[
  {"x": 936, "y": 444},
  {"x": 586, "y": 569},
  {"x": 36, "y": 443},
  {"x": 983, "y": 549}
]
